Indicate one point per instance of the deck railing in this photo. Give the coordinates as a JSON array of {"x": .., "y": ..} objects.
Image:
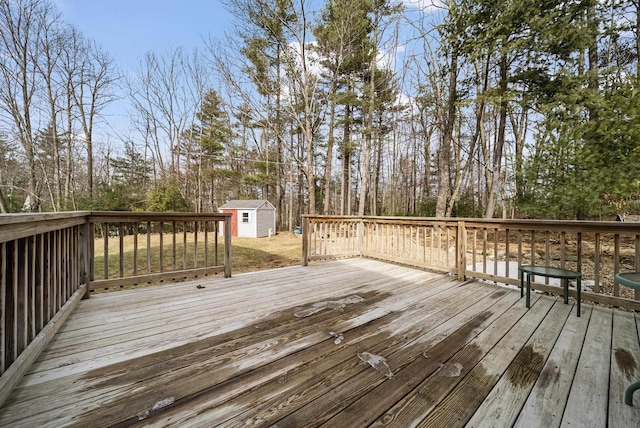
[
  {"x": 48, "y": 262},
  {"x": 488, "y": 249},
  {"x": 138, "y": 248}
]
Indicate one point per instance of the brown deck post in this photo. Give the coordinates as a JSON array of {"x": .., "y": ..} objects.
[
  {"x": 461, "y": 253},
  {"x": 86, "y": 256}
]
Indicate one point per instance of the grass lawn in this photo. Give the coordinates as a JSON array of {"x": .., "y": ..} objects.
[{"x": 250, "y": 254}]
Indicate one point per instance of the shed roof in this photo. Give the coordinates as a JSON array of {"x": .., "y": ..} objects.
[{"x": 248, "y": 204}]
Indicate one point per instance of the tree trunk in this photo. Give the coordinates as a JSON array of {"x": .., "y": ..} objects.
[
  {"x": 368, "y": 122},
  {"x": 366, "y": 153},
  {"x": 375, "y": 193},
  {"x": 519, "y": 131},
  {"x": 309, "y": 172},
  {"x": 290, "y": 210},
  {"x": 345, "y": 199},
  {"x": 279, "y": 134},
  {"x": 69, "y": 158},
  {"x": 329, "y": 160},
  {"x": 496, "y": 176},
  {"x": 447, "y": 137}
]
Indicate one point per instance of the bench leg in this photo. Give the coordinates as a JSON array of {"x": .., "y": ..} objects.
[
  {"x": 521, "y": 285},
  {"x": 528, "y": 290},
  {"x": 628, "y": 395},
  {"x": 565, "y": 283}
]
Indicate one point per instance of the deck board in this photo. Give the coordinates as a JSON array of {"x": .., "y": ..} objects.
[
  {"x": 517, "y": 382},
  {"x": 281, "y": 347},
  {"x": 420, "y": 402},
  {"x": 591, "y": 380},
  {"x": 554, "y": 381},
  {"x": 461, "y": 403},
  {"x": 625, "y": 369},
  {"x": 400, "y": 352}
]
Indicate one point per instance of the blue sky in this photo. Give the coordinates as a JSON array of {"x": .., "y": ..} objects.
[{"x": 127, "y": 29}]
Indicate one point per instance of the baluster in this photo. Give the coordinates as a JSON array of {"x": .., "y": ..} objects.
[{"x": 161, "y": 237}]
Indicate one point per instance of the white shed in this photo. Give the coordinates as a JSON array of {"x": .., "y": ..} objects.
[{"x": 253, "y": 218}]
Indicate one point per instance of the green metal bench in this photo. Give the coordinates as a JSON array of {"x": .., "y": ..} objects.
[
  {"x": 563, "y": 274},
  {"x": 632, "y": 280}
]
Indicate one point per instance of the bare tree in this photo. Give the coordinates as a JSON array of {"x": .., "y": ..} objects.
[
  {"x": 52, "y": 82},
  {"x": 23, "y": 24},
  {"x": 93, "y": 88},
  {"x": 164, "y": 106}
]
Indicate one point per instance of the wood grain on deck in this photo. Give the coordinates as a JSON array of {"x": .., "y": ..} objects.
[{"x": 288, "y": 347}]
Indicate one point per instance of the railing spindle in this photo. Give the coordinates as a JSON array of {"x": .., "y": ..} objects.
[
  {"x": 533, "y": 247},
  {"x": 495, "y": 252},
  {"x": 215, "y": 243},
  {"x": 50, "y": 277},
  {"x": 23, "y": 324},
  {"x": 195, "y": 245},
  {"x": 579, "y": 250},
  {"x": 161, "y": 236},
  {"x": 507, "y": 251},
  {"x": 16, "y": 301},
  {"x": 41, "y": 283},
  {"x": 596, "y": 262},
  {"x": 174, "y": 245},
  {"x": 206, "y": 243},
  {"x": 616, "y": 263},
  {"x": 58, "y": 270},
  {"x": 121, "y": 249},
  {"x": 184, "y": 245},
  {"x": 484, "y": 250},
  {"x": 31, "y": 274},
  {"x": 105, "y": 236},
  {"x": 563, "y": 249},
  {"x": 547, "y": 253},
  {"x": 148, "y": 247},
  {"x": 448, "y": 246},
  {"x": 135, "y": 247}
]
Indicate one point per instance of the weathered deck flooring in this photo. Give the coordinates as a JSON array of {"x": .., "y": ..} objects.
[{"x": 263, "y": 349}]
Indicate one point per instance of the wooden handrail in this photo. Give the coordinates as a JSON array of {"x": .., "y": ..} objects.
[{"x": 487, "y": 248}]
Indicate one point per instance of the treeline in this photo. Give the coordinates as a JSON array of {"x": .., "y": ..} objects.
[{"x": 458, "y": 108}]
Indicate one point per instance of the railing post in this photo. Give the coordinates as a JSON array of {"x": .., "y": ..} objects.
[
  {"x": 227, "y": 247},
  {"x": 305, "y": 241},
  {"x": 461, "y": 253},
  {"x": 86, "y": 255},
  {"x": 360, "y": 229}
]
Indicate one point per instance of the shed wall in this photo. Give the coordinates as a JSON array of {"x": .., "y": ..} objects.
[
  {"x": 266, "y": 220},
  {"x": 247, "y": 230}
]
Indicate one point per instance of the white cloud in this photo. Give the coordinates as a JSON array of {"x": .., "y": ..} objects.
[
  {"x": 425, "y": 5},
  {"x": 313, "y": 60}
]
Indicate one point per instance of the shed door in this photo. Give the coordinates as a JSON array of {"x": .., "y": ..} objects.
[{"x": 234, "y": 221}]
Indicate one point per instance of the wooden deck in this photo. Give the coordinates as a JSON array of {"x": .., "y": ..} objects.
[{"x": 350, "y": 343}]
